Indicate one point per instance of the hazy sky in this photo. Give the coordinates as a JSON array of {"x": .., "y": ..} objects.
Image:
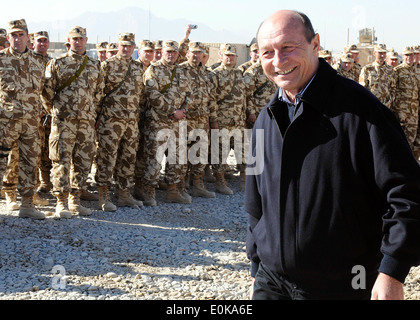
[{"x": 397, "y": 24}]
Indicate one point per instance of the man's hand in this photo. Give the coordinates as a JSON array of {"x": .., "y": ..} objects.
[
  {"x": 214, "y": 125},
  {"x": 387, "y": 288},
  {"x": 252, "y": 118},
  {"x": 179, "y": 114}
]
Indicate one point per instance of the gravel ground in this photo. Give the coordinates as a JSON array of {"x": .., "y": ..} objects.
[{"x": 168, "y": 252}]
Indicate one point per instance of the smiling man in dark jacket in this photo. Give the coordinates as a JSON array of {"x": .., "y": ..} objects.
[{"x": 335, "y": 212}]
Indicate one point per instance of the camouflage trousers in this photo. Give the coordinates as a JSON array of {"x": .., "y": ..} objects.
[
  {"x": 116, "y": 155},
  {"x": 229, "y": 138},
  {"x": 72, "y": 147},
  {"x": 23, "y": 136},
  {"x": 140, "y": 166},
  {"x": 162, "y": 139},
  {"x": 407, "y": 113},
  {"x": 196, "y": 127},
  {"x": 45, "y": 164}
]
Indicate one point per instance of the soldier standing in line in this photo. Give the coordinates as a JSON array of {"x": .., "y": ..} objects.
[
  {"x": 21, "y": 83},
  {"x": 406, "y": 103},
  {"x": 326, "y": 55},
  {"x": 101, "y": 51},
  {"x": 146, "y": 53},
  {"x": 228, "y": 111},
  {"x": 392, "y": 59},
  {"x": 356, "y": 68},
  {"x": 73, "y": 90},
  {"x": 111, "y": 50},
  {"x": 345, "y": 67},
  {"x": 167, "y": 90},
  {"x": 254, "y": 59},
  {"x": 416, "y": 50},
  {"x": 218, "y": 63},
  {"x": 118, "y": 131},
  {"x": 378, "y": 77},
  {"x": 198, "y": 114},
  {"x": 157, "y": 45}
]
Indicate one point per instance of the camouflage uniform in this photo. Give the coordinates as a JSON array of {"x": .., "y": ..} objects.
[
  {"x": 118, "y": 132},
  {"x": 346, "y": 74},
  {"x": 406, "y": 104},
  {"x": 259, "y": 90},
  {"x": 379, "y": 79},
  {"x": 74, "y": 111},
  {"x": 159, "y": 117}
]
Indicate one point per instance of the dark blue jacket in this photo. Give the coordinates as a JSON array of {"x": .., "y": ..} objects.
[{"x": 340, "y": 188}]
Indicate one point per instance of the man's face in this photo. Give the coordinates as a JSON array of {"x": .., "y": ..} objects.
[
  {"x": 195, "y": 58},
  {"x": 392, "y": 62},
  {"x": 110, "y": 54},
  {"x": 254, "y": 55},
  {"x": 380, "y": 57},
  {"x": 347, "y": 65},
  {"x": 229, "y": 60},
  {"x": 18, "y": 41},
  {"x": 416, "y": 57},
  {"x": 78, "y": 44},
  {"x": 286, "y": 56},
  {"x": 101, "y": 55},
  {"x": 126, "y": 51},
  {"x": 41, "y": 45},
  {"x": 170, "y": 56},
  {"x": 146, "y": 56},
  {"x": 157, "y": 55},
  {"x": 409, "y": 59}
]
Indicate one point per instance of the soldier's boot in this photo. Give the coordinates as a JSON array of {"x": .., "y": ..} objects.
[
  {"x": 199, "y": 190},
  {"x": 125, "y": 199},
  {"x": 149, "y": 193},
  {"x": 61, "y": 209},
  {"x": 173, "y": 195},
  {"x": 11, "y": 201},
  {"x": 228, "y": 172},
  {"x": 104, "y": 200},
  {"x": 40, "y": 201},
  {"x": 221, "y": 185},
  {"x": 75, "y": 205},
  {"x": 88, "y": 196},
  {"x": 45, "y": 182},
  {"x": 28, "y": 210},
  {"x": 243, "y": 180},
  {"x": 138, "y": 191},
  {"x": 208, "y": 175},
  {"x": 183, "y": 191}
]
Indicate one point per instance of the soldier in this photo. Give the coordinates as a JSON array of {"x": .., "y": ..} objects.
[
  {"x": 344, "y": 68},
  {"x": 111, "y": 50},
  {"x": 146, "y": 53},
  {"x": 406, "y": 104},
  {"x": 101, "y": 50},
  {"x": 167, "y": 90},
  {"x": 378, "y": 77},
  {"x": 157, "y": 44},
  {"x": 21, "y": 83},
  {"x": 3, "y": 41},
  {"x": 356, "y": 68},
  {"x": 217, "y": 64},
  {"x": 118, "y": 131},
  {"x": 392, "y": 59},
  {"x": 326, "y": 55},
  {"x": 198, "y": 115},
  {"x": 73, "y": 89},
  {"x": 228, "y": 112},
  {"x": 254, "y": 59}
]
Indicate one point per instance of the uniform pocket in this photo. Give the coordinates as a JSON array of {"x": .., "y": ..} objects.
[{"x": 54, "y": 141}]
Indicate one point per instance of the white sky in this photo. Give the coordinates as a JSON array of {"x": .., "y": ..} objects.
[{"x": 397, "y": 24}]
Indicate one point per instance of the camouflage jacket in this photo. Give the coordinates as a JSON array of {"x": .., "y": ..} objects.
[
  {"x": 347, "y": 74},
  {"x": 201, "y": 94},
  {"x": 245, "y": 66},
  {"x": 380, "y": 80},
  {"x": 21, "y": 83},
  {"x": 259, "y": 89},
  {"x": 81, "y": 98},
  {"x": 229, "y": 105},
  {"x": 356, "y": 70},
  {"x": 128, "y": 99},
  {"x": 162, "y": 104},
  {"x": 406, "y": 89}
]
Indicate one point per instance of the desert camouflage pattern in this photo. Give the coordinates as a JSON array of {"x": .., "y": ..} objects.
[
  {"x": 380, "y": 80},
  {"x": 417, "y": 141},
  {"x": 406, "y": 104},
  {"x": 245, "y": 66},
  {"x": 259, "y": 89},
  {"x": 346, "y": 74},
  {"x": 356, "y": 70},
  {"x": 81, "y": 99}
]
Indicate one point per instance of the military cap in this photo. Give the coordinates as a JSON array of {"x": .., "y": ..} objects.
[
  {"x": 254, "y": 47},
  {"x": 158, "y": 44},
  {"x": 111, "y": 47},
  {"x": 408, "y": 50},
  {"x": 223, "y": 47},
  {"x": 353, "y": 48},
  {"x": 347, "y": 57},
  {"x": 3, "y": 32},
  {"x": 101, "y": 46},
  {"x": 77, "y": 32},
  {"x": 126, "y": 39},
  {"x": 380, "y": 48},
  {"x": 3, "y": 41},
  {"x": 170, "y": 45},
  {"x": 324, "y": 54},
  {"x": 230, "y": 50},
  {"x": 206, "y": 49},
  {"x": 393, "y": 55},
  {"x": 146, "y": 45},
  {"x": 195, "y": 47},
  {"x": 18, "y": 25},
  {"x": 41, "y": 35},
  {"x": 416, "y": 49}
]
